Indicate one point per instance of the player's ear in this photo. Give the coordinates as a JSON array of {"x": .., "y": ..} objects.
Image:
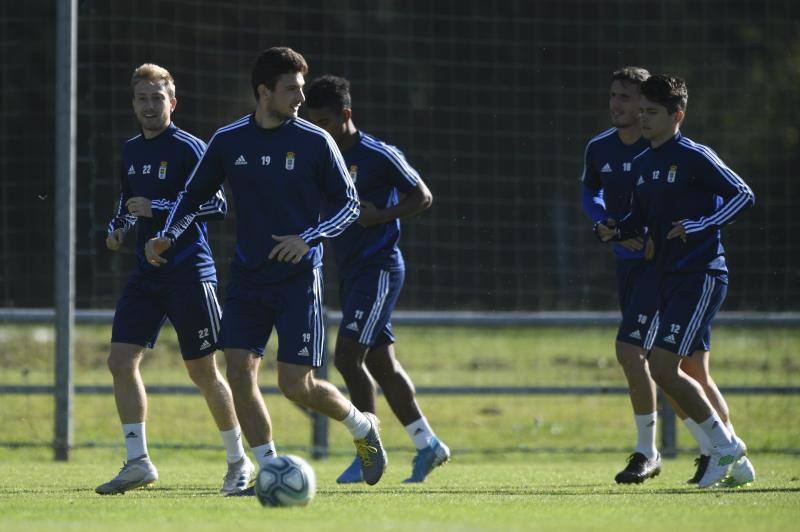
[
  {"x": 263, "y": 92},
  {"x": 678, "y": 116},
  {"x": 173, "y": 103},
  {"x": 347, "y": 114}
]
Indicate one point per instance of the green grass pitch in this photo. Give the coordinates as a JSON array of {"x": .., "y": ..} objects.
[{"x": 520, "y": 462}]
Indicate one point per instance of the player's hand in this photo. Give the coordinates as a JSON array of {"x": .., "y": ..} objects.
[
  {"x": 370, "y": 214},
  {"x": 632, "y": 244},
  {"x": 290, "y": 248},
  {"x": 114, "y": 239},
  {"x": 677, "y": 231},
  {"x": 140, "y": 207},
  {"x": 649, "y": 250},
  {"x": 154, "y": 248},
  {"x": 606, "y": 231}
]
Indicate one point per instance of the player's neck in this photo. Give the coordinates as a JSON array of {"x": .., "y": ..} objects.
[
  {"x": 266, "y": 119},
  {"x": 153, "y": 133},
  {"x": 629, "y": 135},
  {"x": 662, "y": 139},
  {"x": 350, "y": 137}
]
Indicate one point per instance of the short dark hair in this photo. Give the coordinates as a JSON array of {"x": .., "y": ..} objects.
[
  {"x": 274, "y": 62},
  {"x": 669, "y": 91},
  {"x": 328, "y": 92},
  {"x": 630, "y": 74}
]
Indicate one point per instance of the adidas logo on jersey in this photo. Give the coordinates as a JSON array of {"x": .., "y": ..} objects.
[
  {"x": 131, "y": 170},
  {"x": 640, "y": 181},
  {"x": 352, "y": 327},
  {"x": 303, "y": 352},
  {"x": 606, "y": 168},
  {"x": 670, "y": 339},
  {"x": 205, "y": 345},
  {"x": 241, "y": 161},
  {"x": 635, "y": 334}
]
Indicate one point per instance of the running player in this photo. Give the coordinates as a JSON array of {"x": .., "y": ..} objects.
[
  {"x": 155, "y": 166},
  {"x": 281, "y": 169},
  {"x": 371, "y": 272},
  {"x": 683, "y": 195}
]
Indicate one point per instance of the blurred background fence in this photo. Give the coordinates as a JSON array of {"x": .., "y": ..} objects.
[{"x": 492, "y": 102}]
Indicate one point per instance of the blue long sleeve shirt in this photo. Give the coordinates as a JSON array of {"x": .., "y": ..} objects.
[
  {"x": 280, "y": 179},
  {"x": 608, "y": 180},
  {"x": 682, "y": 181},
  {"x": 157, "y": 169}
]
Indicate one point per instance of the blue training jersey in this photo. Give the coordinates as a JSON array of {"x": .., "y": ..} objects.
[
  {"x": 608, "y": 180},
  {"x": 157, "y": 169},
  {"x": 685, "y": 181},
  {"x": 379, "y": 171},
  {"x": 280, "y": 178}
]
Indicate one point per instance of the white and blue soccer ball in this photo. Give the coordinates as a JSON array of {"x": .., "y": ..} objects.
[{"x": 286, "y": 480}]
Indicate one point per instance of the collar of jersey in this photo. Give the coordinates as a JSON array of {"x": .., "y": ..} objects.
[
  {"x": 269, "y": 131},
  {"x": 170, "y": 129}
]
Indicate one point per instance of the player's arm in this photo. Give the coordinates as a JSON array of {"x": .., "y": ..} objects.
[
  {"x": 217, "y": 207},
  {"x": 202, "y": 186},
  {"x": 594, "y": 206},
  {"x": 401, "y": 175},
  {"x": 413, "y": 202},
  {"x": 339, "y": 192},
  {"x": 122, "y": 221},
  {"x": 713, "y": 175}
]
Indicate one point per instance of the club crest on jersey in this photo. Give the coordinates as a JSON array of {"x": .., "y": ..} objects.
[
  {"x": 671, "y": 175},
  {"x": 290, "y": 160},
  {"x": 162, "y": 170},
  {"x": 354, "y": 172}
]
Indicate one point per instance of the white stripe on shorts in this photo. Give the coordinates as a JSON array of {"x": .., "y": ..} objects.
[
  {"x": 697, "y": 317},
  {"x": 212, "y": 306},
  {"x": 377, "y": 308},
  {"x": 319, "y": 325}
]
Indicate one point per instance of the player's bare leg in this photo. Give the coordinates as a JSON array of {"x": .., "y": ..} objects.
[
  {"x": 131, "y": 399},
  {"x": 665, "y": 368},
  {"x": 204, "y": 373},
  {"x": 252, "y": 413},
  {"x": 645, "y": 461},
  {"x": 298, "y": 384},
  {"x": 400, "y": 394},
  {"x": 697, "y": 367},
  {"x": 349, "y": 359}
]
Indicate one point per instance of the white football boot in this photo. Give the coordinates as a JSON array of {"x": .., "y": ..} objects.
[
  {"x": 240, "y": 476},
  {"x": 135, "y": 473},
  {"x": 721, "y": 462}
]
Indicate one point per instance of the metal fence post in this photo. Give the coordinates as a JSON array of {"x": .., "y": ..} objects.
[
  {"x": 65, "y": 134},
  {"x": 669, "y": 447}
]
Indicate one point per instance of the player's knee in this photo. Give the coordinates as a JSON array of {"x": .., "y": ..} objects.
[
  {"x": 239, "y": 376},
  {"x": 202, "y": 375},
  {"x": 347, "y": 362},
  {"x": 294, "y": 389},
  {"x": 629, "y": 355},
  {"x": 662, "y": 371},
  {"x": 121, "y": 363}
]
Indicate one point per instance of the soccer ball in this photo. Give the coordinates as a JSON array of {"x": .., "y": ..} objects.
[{"x": 286, "y": 480}]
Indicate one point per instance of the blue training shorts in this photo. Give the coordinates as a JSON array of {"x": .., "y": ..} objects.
[
  {"x": 687, "y": 305},
  {"x": 368, "y": 300},
  {"x": 639, "y": 314},
  {"x": 293, "y": 306},
  {"x": 193, "y": 309}
]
